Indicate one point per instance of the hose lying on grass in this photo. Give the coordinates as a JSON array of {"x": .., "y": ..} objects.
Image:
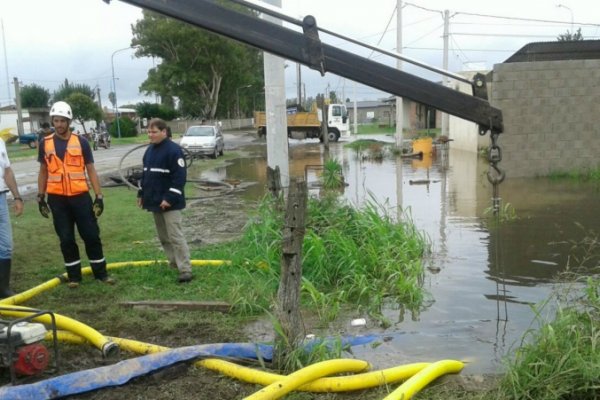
[{"x": 313, "y": 378}]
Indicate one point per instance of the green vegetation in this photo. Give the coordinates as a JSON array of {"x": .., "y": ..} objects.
[
  {"x": 577, "y": 175},
  {"x": 506, "y": 213},
  {"x": 221, "y": 76},
  {"x": 332, "y": 177},
  {"x": 350, "y": 256},
  {"x": 364, "y": 129},
  {"x": 561, "y": 360},
  {"x": 371, "y": 149},
  {"x": 374, "y": 128},
  {"x": 127, "y": 127},
  {"x": 359, "y": 257},
  {"x": 17, "y": 151}
]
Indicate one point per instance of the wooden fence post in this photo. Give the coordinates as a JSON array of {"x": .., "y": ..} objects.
[{"x": 288, "y": 295}]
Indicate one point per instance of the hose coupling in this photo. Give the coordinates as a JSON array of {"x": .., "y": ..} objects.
[{"x": 110, "y": 350}]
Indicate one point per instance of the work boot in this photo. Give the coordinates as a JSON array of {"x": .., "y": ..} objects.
[
  {"x": 108, "y": 280},
  {"x": 73, "y": 285},
  {"x": 5, "y": 291},
  {"x": 185, "y": 277},
  {"x": 74, "y": 273}
]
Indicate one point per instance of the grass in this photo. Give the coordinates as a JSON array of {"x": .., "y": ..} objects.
[
  {"x": 350, "y": 256},
  {"x": 332, "y": 177},
  {"x": 366, "y": 129},
  {"x": 561, "y": 360},
  {"x": 588, "y": 174}
]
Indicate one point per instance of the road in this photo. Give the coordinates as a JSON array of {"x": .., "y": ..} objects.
[{"x": 107, "y": 161}]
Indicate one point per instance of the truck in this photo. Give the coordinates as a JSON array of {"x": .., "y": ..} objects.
[{"x": 307, "y": 124}]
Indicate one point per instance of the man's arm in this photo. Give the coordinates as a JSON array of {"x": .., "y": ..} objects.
[
  {"x": 42, "y": 179},
  {"x": 94, "y": 180},
  {"x": 11, "y": 182}
]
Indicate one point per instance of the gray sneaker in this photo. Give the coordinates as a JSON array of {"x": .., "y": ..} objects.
[{"x": 185, "y": 277}]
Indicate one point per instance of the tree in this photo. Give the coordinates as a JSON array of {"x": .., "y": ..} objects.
[
  {"x": 112, "y": 97},
  {"x": 568, "y": 37},
  {"x": 67, "y": 89},
  {"x": 151, "y": 110},
  {"x": 196, "y": 66},
  {"x": 84, "y": 109},
  {"x": 34, "y": 96},
  {"x": 333, "y": 97}
]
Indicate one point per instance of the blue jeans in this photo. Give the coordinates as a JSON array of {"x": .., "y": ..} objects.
[{"x": 5, "y": 230}]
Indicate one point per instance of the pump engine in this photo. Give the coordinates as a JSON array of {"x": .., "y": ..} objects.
[{"x": 21, "y": 349}]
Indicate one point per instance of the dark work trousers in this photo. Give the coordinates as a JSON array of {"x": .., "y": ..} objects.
[{"x": 71, "y": 211}]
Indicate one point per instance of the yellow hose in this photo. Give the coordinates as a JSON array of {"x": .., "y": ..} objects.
[
  {"x": 322, "y": 385},
  {"x": 423, "y": 378},
  {"x": 311, "y": 378},
  {"x": 108, "y": 347},
  {"x": 28, "y": 294},
  {"x": 308, "y": 374}
]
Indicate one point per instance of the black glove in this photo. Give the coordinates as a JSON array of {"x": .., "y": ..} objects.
[
  {"x": 98, "y": 206},
  {"x": 43, "y": 206}
]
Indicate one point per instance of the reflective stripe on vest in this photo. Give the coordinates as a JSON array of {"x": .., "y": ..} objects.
[{"x": 65, "y": 177}]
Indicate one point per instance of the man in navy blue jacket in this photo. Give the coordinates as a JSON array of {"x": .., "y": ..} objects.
[{"x": 161, "y": 193}]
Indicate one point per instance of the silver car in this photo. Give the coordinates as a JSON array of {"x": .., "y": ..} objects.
[{"x": 203, "y": 140}]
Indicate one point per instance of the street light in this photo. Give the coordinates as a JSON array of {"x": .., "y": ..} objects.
[
  {"x": 112, "y": 64},
  {"x": 237, "y": 97},
  {"x": 571, "y": 11}
]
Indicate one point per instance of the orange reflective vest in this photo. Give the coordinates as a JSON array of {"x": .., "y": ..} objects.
[{"x": 65, "y": 177}]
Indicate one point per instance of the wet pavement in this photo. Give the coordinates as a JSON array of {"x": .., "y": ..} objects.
[{"x": 482, "y": 279}]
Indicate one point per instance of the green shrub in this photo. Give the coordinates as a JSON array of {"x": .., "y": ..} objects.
[{"x": 127, "y": 126}]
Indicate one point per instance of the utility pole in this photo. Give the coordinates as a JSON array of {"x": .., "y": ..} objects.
[
  {"x": 18, "y": 103},
  {"x": 99, "y": 98},
  {"x": 399, "y": 117},
  {"x": 445, "y": 117},
  {"x": 399, "y": 102},
  {"x": 277, "y": 139},
  {"x": 299, "y": 81}
]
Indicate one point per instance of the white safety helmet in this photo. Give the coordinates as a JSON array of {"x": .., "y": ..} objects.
[{"x": 61, "y": 109}]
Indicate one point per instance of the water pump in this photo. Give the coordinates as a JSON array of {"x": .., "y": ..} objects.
[{"x": 21, "y": 348}]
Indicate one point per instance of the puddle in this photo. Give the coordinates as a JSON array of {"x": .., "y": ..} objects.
[{"x": 482, "y": 282}]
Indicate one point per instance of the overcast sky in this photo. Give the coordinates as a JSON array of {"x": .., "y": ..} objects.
[{"x": 45, "y": 41}]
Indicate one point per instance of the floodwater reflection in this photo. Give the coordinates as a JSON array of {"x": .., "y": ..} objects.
[{"x": 482, "y": 278}]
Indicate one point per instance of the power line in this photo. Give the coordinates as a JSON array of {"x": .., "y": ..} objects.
[
  {"x": 525, "y": 19},
  {"x": 482, "y": 50}
]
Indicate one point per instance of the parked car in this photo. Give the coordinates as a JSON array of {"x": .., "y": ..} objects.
[
  {"x": 203, "y": 140},
  {"x": 30, "y": 139}
]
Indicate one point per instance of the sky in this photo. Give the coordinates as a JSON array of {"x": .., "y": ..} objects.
[{"x": 84, "y": 41}]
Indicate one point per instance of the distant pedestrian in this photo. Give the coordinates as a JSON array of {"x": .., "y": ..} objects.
[
  {"x": 161, "y": 192},
  {"x": 44, "y": 131}
]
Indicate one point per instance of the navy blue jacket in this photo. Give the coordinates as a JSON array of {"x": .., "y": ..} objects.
[{"x": 163, "y": 177}]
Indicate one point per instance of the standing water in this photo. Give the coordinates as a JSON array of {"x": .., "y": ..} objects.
[{"x": 482, "y": 279}]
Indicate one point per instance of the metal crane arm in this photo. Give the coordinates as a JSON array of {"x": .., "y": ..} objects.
[{"x": 307, "y": 49}]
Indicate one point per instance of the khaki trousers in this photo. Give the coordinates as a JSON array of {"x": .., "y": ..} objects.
[{"x": 170, "y": 234}]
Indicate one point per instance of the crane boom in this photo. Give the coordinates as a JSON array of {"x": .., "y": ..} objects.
[{"x": 307, "y": 49}]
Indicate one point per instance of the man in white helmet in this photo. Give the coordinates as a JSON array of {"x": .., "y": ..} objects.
[{"x": 64, "y": 159}]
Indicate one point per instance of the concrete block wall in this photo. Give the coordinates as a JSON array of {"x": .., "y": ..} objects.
[{"x": 551, "y": 112}]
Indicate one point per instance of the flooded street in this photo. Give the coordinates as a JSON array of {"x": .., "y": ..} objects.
[{"x": 481, "y": 278}]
